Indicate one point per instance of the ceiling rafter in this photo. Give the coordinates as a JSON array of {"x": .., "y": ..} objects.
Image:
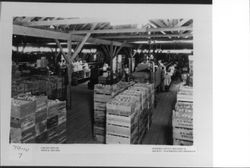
[
  {"x": 155, "y": 25},
  {"x": 42, "y": 33},
  {"x": 63, "y": 22},
  {"x": 131, "y": 30},
  {"x": 144, "y": 36}
]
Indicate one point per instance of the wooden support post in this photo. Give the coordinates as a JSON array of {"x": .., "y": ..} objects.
[
  {"x": 131, "y": 59},
  {"x": 66, "y": 57},
  {"x": 114, "y": 55},
  {"x": 69, "y": 71},
  {"x": 24, "y": 45},
  {"x": 106, "y": 52},
  {"x": 111, "y": 63},
  {"x": 119, "y": 49}
]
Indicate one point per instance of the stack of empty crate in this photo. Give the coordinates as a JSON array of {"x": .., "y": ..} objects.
[
  {"x": 37, "y": 119},
  {"x": 183, "y": 117}
]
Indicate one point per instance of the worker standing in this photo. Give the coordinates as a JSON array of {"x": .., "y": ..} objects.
[
  {"x": 126, "y": 70},
  {"x": 163, "y": 72}
]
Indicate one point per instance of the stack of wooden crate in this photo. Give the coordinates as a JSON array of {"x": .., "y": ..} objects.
[
  {"x": 183, "y": 118},
  {"x": 128, "y": 115},
  {"x": 143, "y": 114},
  {"x": 122, "y": 120},
  {"x": 37, "y": 119},
  {"x": 52, "y": 86},
  {"x": 56, "y": 122},
  {"x": 190, "y": 70},
  {"x": 22, "y": 125},
  {"x": 150, "y": 99},
  {"x": 103, "y": 94}
]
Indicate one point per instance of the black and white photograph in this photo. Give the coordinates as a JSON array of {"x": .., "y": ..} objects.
[
  {"x": 89, "y": 80},
  {"x": 124, "y": 83},
  {"x": 108, "y": 84}
]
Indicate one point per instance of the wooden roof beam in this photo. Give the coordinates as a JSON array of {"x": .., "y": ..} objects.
[
  {"x": 41, "y": 33},
  {"x": 155, "y": 26},
  {"x": 132, "y": 30},
  {"x": 144, "y": 36},
  {"x": 64, "y": 22},
  {"x": 84, "y": 40}
]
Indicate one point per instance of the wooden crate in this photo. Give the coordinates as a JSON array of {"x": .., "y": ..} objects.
[
  {"x": 102, "y": 98},
  {"x": 62, "y": 117},
  {"x": 42, "y": 138},
  {"x": 182, "y": 123},
  {"x": 126, "y": 121},
  {"x": 22, "y": 108},
  {"x": 182, "y": 142},
  {"x": 121, "y": 139},
  {"x": 103, "y": 89},
  {"x": 17, "y": 135},
  {"x": 62, "y": 138},
  {"x": 41, "y": 115},
  {"x": 23, "y": 123},
  {"x": 52, "y": 122},
  {"x": 99, "y": 106},
  {"x": 41, "y": 127},
  {"x": 100, "y": 138},
  {"x": 121, "y": 129},
  {"x": 52, "y": 134},
  {"x": 178, "y": 114},
  {"x": 183, "y": 134},
  {"x": 100, "y": 114}
]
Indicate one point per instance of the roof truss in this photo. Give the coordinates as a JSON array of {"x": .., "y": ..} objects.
[
  {"x": 134, "y": 30},
  {"x": 34, "y": 32},
  {"x": 64, "y": 22}
]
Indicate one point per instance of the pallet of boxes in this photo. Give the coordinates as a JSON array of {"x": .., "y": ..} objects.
[
  {"x": 128, "y": 115},
  {"x": 103, "y": 94},
  {"x": 36, "y": 119},
  {"x": 183, "y": 117}
]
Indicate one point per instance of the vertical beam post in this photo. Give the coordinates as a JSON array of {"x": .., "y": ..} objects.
[
  {"x": 111, "y": 62},
  {"x": 69, "y": 73}
]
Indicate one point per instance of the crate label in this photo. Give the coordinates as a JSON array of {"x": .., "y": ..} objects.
[{"x": 20, "y": 152}]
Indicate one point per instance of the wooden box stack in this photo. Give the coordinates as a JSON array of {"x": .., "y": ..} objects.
[
  {"x": 22, "y": 121},
  {"x": 56, "y": 122},
  {"x": 144, "y": 113},
  {"x": 122, "y": 120},
  {"x": 37, "y": 119},
  {"x": 128, "y": 114},
  {"x": 62, "y": 118},
  {"x": 53, "y": 86},
  {"x": 103, "y": 94},
  {"x": 190, "y": 70},
  {"x": 41, "y": 115},
  {"x": 151, "y": 99},
  {"x": 183, "y": 117}
]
